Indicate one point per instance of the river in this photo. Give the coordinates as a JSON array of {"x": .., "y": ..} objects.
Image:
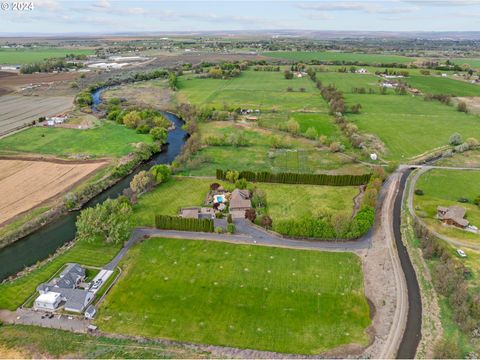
[{"x": 45, "y": 241}]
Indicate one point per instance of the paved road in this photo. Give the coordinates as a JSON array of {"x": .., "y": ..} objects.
[{"x": 411, "y": 208}]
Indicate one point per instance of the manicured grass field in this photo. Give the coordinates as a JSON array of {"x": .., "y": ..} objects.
[
  {"x": 168, "y": 198},
  {"x": 287, "y": 202},
  {"x": 254, "y": 90},
  {"x": 107, "y": 140},
  {"x": 339, "y": 56},
  {"x": 15, "y": 293},
  {"x": 444, "y": 188},
  {"x": 244, "y": 296},
  {"x": 441, "y": 85},
  {"x": 27, "y": 56}
]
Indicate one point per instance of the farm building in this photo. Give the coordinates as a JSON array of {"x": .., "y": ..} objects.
[
  {"x": 361, "y": 71},
  {"x": 453, "y": 215},
  {"x": 239, "y": 203}
]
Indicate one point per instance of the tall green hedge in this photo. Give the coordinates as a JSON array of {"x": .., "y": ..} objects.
[
  {"x": 294, "y": 178},
  {"x": 177, "y": 223}
]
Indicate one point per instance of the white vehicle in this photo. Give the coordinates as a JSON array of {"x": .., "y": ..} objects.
[{"x": 461, "y": 253}]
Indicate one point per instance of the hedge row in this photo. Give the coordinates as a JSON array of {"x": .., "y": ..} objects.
[
  {"x": 294, "y": 178},
  {"x": 177, "y": 223}
]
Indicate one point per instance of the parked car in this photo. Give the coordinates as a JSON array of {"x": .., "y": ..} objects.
[{"x": 461, "y": 253}]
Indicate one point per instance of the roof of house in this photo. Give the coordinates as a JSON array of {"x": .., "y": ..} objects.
[
  {"x": 240, "y": 199},
  {"x": 75, "y": 299},
  {"x": 70, "y": 276},
  {"x": 454, "y": 213},
  {"x": 48, "y": 298}
]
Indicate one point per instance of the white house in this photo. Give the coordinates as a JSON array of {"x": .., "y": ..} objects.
[
  {"x": 48, "y": 301},
  {"x": 361, "y": 71}
]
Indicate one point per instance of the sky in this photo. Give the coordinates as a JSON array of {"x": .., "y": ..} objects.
[{"x": 119, "y": 16}]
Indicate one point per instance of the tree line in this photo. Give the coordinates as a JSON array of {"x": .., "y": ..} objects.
[
  {"x": 167, "y": 222},
  {"x": 298, "y": 178}
]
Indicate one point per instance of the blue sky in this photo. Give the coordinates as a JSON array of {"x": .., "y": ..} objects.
[{"x": 110, "y": 16}]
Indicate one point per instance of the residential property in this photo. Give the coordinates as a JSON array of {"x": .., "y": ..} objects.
[
  {"x": 453, "y": 215},
  {"x": 197, "y": 213},
  {"x": 361, "y": 71},
  {"x": 64, "y": 292},
  {"x": 239, "y": 203}
]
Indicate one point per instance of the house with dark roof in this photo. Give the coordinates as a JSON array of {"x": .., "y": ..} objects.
[
  {"x": 239, "y": 203},
  {"x": 453, "y": 215}
]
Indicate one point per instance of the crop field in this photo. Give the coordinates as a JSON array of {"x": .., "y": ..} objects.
[
  {"x": 27, "y": 56},
  {"x": 252, "y": 89},
  {"x": 441, "y": 85},
  {"x": 14, "y": 293},
  {"x": 339, "y": 56},
  {"x": 26, "y": 184},
  {"x": 109, "y": 139},
  {"x": 244, "y": 296},
  {"x": 16, "y": 111},
  {"x": 445, "y": 188},
  {"x": 407, "y": 125}
]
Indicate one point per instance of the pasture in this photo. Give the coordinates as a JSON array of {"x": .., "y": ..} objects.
[
  {"x": 252, "y": 90},
  {"x": 32, "y": 55},
  {"x": 14, "y": 293},
  {"x": 27, "y": 184},
  {"x": 445, "y": 188},
  {"x": 16, "y": 111},
  {"x": 244, "y": 296},
  {"x": 442, "y": 85},
  {"x": 332, "y": 56},
  {"x": 108, "y": 139},
  {"x": 152, "y": 93}
]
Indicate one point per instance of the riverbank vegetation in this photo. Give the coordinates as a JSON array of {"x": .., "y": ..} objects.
[{"x": 200, "y": 291}]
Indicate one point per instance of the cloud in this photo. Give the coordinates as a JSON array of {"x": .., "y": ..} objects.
[{"x": 365, "y": 7}]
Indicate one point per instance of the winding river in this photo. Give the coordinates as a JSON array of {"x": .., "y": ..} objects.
[{"x": 45, "y": 241}]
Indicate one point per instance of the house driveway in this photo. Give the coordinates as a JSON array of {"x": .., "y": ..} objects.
[{"x": 63, "y": 322}]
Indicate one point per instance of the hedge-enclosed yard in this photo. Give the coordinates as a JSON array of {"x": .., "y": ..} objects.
[{"x": 244, "y": 296}]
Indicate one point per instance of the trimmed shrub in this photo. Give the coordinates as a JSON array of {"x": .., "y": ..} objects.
[
  {"x": 230, "y": 228},
  {"x": 419, "y": 192},
  {"x": 177, "y": 223}
]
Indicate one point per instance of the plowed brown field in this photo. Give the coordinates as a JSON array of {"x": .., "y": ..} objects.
[{"x": 25, "y": 184}]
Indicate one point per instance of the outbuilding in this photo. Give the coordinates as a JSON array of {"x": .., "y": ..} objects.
[{"x": 48, "y": 301}]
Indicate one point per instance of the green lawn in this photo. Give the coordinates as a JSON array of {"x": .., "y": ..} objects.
[
  {"x": 15, "y": 293},
  {"x": 252, "y": 89},
  {"x": 27, "y": 56},
  {"x": 36, "y": 342},
  {"x": 244, "y": 296},
  {"x": 444, "y": 188},
  {"x": 338, "y": 56},
  {"x": 108, "y": 139},
  {"x": 474, "y": 63},
  {"x": 168, "y": 198},
  {"x": 347, "y": 81},
  {"x": 442, "y": 85},
  {"x": 288, "y": 202}
]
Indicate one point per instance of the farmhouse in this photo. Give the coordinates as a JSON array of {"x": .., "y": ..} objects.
[
  {"x": 197, "y": 213},
  {"x": 239, "y": 203},
  {"x": 361, "y": 71},
  {"x": 453, "y": 215},
  {"x": 64, "y": 291}
]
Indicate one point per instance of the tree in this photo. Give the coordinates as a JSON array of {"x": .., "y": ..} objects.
[
  {"x": 335, "y": 146},
  {"x": 231, "y": 176},
  {"x": 229, "y": 219},
  {"x": 455, "y": 139},
  {"x": 172, "y": 81},
  {"x": 311, "y": 133},
  {"x": 161, "y": 173},
  {"x": 250, "y": 214},
  {"x": 159, "y": 134},
  {"x": 110, "y": 221},
  {"x": 462, "y": 106},
  {"x": 241, "y": 183},
  {"x": 230, "y": 228},
  {"x": 288, "y": 75},
  {"x": 132, "y": 119},
  {"x": 259, "y": 198},
  {"x": 266, "y": 221},
  {"x": 142, "y": 182}
]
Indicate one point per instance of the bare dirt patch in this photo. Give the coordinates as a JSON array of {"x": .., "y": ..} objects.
[
  {"x": 25, "y": 184},
  {"x": 14, "y": 81},
  {"x": 473, "y": 103}
]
